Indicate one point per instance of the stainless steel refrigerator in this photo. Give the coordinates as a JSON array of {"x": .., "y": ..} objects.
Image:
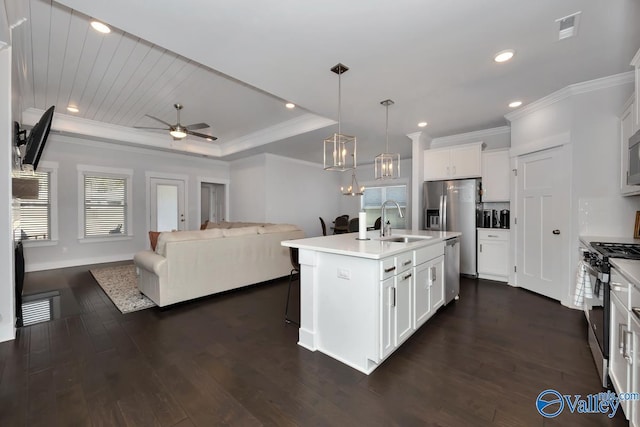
[{"x": 455, "y": 206}]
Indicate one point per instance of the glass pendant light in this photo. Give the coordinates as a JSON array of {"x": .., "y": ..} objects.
[
  {"x": 387, "y": 165},
  {"x": 339, "y": 149}
]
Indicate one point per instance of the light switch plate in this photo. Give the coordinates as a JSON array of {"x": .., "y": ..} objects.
[{"x": 344, "y": 273}]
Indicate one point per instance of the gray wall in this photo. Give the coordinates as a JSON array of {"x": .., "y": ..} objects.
[{"x": 68, "y": 152}]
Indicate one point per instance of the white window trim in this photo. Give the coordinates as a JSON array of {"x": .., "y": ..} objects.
[
  {"x": 52, "y": 168},
  {"x": 127, "y": 174}
]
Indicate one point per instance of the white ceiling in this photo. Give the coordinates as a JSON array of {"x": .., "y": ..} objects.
[{"x": 433, "y": 58}]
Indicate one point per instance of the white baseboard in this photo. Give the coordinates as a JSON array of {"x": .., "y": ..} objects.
[{"x": 75, "y": 262}]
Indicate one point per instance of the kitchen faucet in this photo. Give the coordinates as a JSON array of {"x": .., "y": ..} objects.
[{"x": 386, "y": 230}]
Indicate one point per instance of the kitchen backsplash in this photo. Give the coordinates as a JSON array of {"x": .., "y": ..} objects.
[{"x": 607, "y": 216}]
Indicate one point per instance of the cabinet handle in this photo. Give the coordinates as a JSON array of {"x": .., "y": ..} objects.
[
  {"x": 621, "y": 339},
  {"x": 433, "y": 274},
  {"x": 406, "y": 277},
  {"x": 492, "y": 235},
  {"x": 390, "y": 269},
  {"x": 394, "y": 297},
  {"x": 407, "y": 262},
  {"x": 627, "y": 345},
  {"x": 480, "y": 247}
]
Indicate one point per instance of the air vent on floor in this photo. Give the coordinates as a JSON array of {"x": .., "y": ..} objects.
[{"x": 568, "y": 26}]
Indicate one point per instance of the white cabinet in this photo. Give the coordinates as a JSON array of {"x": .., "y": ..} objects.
[
  {"x": 493, "y": 254},
  {"x": 634, "y": 405},
  {"x": 495, "y": 176},
  {"x": 436, "y": 279},
  {"x": 421, "y": 293},
  {"x": 463, "y": 161},
  {"x": 636, "y": 63},
  {"x": 428, "y": 291},
  {"x": 396, "y": 311},
  {"x": 620, "y": 338}
]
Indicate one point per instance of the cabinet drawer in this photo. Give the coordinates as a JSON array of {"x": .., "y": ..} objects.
[
  {"x": 388, "y": 268},
  {"x": 492, "y": 234},
  {"x": 404, "y": 262},
  {"x": 620, "y": 287},
  {"x": 425, "y": 254}
]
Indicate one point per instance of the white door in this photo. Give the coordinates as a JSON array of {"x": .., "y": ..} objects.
[
  {"x": 542, "y": 216},
  {"x": 167, "y": 204}
]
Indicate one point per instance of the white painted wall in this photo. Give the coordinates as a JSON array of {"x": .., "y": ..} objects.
[
  {"x": 7, "y": 298},
  {"x": 590, "y": 122},
  {"x": 71, "y": 151},
  {"x": 269, "y": 188}
]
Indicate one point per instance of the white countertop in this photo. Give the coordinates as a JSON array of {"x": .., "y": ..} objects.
[
  {"x": 629, "y": 268},
  {"x": 348, "y": 244}
]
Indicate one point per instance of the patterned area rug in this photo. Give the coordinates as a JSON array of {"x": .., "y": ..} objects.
[{"x": 120, "y": 284}]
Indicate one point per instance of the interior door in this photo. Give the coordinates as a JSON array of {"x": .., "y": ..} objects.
[
  {"x": 542, "y": 204},
  {"x": 167, "y": 204}
]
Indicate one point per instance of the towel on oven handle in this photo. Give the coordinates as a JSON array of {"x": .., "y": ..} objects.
[{"x": 583, "y": 285}]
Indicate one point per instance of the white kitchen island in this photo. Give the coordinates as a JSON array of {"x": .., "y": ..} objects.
[{"x": 361, "y": 299}]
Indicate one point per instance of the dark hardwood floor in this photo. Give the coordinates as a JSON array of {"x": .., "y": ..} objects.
[{"x": 231, "y": 360}]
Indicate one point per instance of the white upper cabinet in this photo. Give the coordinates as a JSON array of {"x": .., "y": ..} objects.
[
  {"x": 495, "y": 176},
  {"x": 463, "y": 161},
  {"x": 636, "y": 63}
]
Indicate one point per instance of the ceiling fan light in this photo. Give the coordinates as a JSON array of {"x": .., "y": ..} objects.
[{"x": 178, "y": 133}]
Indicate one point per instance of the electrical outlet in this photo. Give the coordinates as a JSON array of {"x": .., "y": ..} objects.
[{"x": 343, "y": 273}]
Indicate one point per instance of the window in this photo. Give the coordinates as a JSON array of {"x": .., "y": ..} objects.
[
  {"x": 373, "y": 198},
  {"x": 106, "y": 202},
  {"x": 35, "y": 220}
]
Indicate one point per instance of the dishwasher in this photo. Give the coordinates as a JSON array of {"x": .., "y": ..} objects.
[{"x": 451, "y": 269}]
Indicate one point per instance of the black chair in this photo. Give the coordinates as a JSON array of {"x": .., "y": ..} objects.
[
  {"x": 293, "y": 255},
  {"x": 378, "y": 224},
  {"x": 354, "y": 224},
  {"x": 324, "y": 226},
  {"x": 341, "y": 224}
]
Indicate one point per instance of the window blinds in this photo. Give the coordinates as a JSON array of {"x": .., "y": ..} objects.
[{"x": 105, "y": 206}]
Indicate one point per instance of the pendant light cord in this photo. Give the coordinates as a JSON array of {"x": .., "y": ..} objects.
[
  {"x": 339, "y": 100},
  {"x": 387, "y": 128}
]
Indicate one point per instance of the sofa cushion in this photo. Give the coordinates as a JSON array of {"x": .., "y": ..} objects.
[
  {"x": 180, "y": 236},
  {"x": 277, "y": 228},
  {"x": 242, "y": 231},
  {"x": 153, "y": 239}
]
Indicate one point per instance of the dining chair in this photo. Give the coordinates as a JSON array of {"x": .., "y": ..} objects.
[
  {"x": 341, "y": 225},
  {"x": 324, "y": 226},
  {"x": 354, "y": 224},
  {"x": 295, "y": 264},
  {"x": 378, "y": 224}
]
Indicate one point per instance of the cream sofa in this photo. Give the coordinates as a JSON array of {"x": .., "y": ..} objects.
[{"x": 192, "y": 264}]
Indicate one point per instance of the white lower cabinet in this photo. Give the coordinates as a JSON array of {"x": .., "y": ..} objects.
[
  {"x": 411, "y": 290},
  {"x": 621, "y": 339},
  {"x": 493, "y": 254},
  {"x": 634, "y": 405}
]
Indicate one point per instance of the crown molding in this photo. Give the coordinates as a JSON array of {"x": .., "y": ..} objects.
[
  {"x": 477, "y": 135},
  {"x": 571, "y": 90},
  {"x": 293, "y": 160}
]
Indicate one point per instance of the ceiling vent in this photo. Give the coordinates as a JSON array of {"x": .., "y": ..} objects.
[{"x": 568, "y": 26}]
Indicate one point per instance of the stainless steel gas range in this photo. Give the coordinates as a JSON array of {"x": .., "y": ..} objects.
[{"x": 597, "y": 309}]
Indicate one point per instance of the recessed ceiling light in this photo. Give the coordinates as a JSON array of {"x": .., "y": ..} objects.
[
  {"x": 422, "y": 124},
  {"x": 100, "y": 27},
  {"x": 290, "y": 105},
  {"x": 515, "y": 104},
  {"x": 73, "y": 109},
  {"x": 504, "y": 55}
]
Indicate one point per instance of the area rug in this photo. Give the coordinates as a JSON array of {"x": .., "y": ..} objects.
[{"x": 119, "y": 283}]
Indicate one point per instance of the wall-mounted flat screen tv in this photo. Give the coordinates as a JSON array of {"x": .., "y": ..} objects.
[{"x": 36, "y": 141}]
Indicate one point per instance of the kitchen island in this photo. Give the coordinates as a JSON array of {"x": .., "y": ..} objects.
[{"x": 361, "y": 299}]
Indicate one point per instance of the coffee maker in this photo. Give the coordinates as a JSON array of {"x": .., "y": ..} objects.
[{"x": 504, "y": 218}]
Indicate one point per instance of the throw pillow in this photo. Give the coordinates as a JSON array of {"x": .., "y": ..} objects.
[
  {"x": 153, "y": 239},
  {"x": 203, "y": 226}
]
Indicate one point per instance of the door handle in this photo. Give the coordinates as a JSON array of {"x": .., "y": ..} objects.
[{"x": 556, "y": 232}]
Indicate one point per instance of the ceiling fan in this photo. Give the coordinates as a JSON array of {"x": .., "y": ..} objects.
[{"x": 179, "y": 131}]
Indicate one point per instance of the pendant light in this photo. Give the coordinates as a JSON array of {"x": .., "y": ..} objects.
[
  {"x": 387, "y": 165},
  {"x": 339, "y": 149},
  {"x": 354, "y": 189}
]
